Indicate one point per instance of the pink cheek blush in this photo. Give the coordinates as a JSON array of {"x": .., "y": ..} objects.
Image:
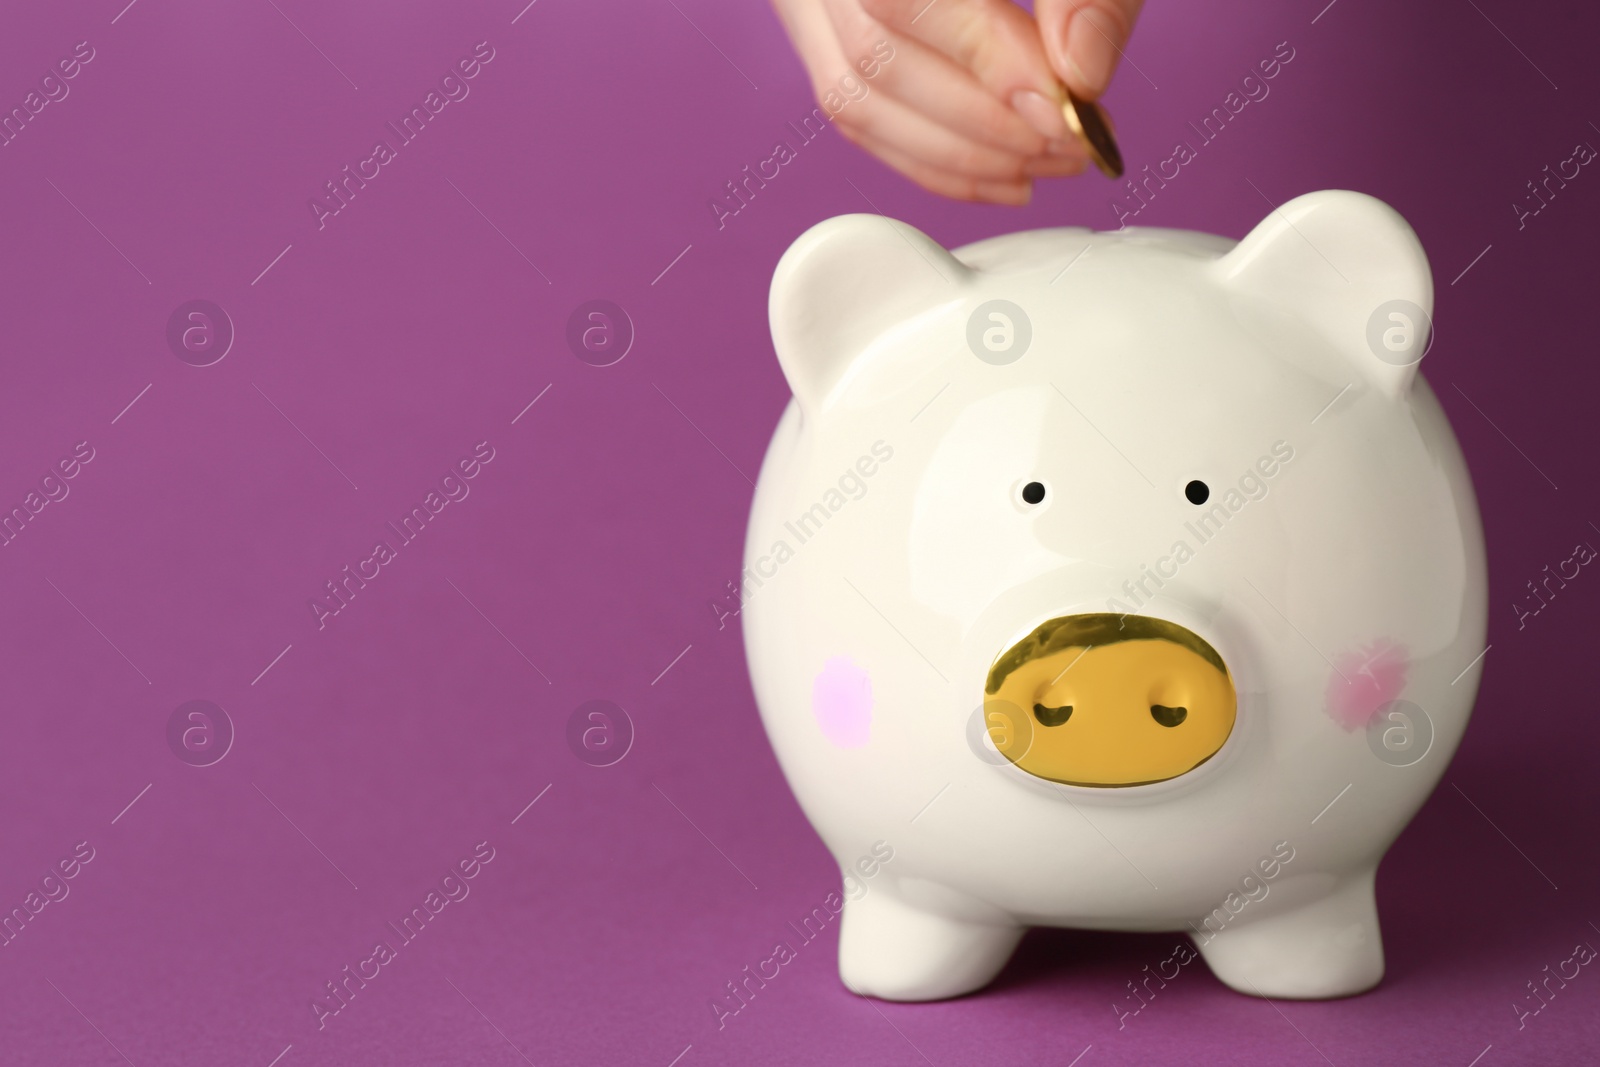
[
  {"x": 841, "y": 699},
  {"x": 1364, "y": 681}
]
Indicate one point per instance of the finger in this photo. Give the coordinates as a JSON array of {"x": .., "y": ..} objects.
[
  {"x": 994, "y": 39},
  {"x": 946, "y": 183},
  {"x": 809, "y": 29},
  {"x": 891, "y": 122},
  {"x": 820, "y": 36},
  {"x": 930, "y": 82},
  {"x": 1085, "y": 38},
  {"x": 1055, "y": 166}
]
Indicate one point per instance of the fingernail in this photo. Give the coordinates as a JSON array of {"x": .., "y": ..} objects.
[
  {"x": 1063, "y": 148},
  {"x": 1040, "y": 112},
  {"x": 1093, "y": 41}
]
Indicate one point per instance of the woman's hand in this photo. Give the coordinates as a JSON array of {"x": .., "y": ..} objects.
[{"x": 968, "y": 104}]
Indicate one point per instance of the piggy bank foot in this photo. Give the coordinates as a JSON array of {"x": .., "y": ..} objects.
[
  {"x": 894, "y": 951},
  {"x": 1327, "y": 947}
]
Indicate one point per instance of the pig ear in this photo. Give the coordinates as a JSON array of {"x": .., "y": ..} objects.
[
  {"x": 1352, "y": 268},
  {"x": 842, "y": 285}
]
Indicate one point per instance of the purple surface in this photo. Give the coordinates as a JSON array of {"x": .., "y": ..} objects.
[{"x": 422, "y": 719}]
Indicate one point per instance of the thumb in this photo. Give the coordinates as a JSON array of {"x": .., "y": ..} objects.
[{"x": 1085, "y": 38}]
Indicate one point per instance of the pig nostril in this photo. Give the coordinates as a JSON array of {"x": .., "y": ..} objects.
[
  {"x": 1051, "y": 716},
  {"x": 1168, "y": 716}
]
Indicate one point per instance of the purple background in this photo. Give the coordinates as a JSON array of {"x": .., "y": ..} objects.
[{"x": 411, "y": 727}]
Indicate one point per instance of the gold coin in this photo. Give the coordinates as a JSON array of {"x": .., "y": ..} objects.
[{"x": 1093, "y": 126}]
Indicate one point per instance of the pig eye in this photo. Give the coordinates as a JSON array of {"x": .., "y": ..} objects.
[
  {"x": 1197, "y": 492},
  {"x": 1033, "y": 492}
]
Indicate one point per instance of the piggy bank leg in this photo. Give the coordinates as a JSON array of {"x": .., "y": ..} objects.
[
  {"x": 1326, "y": 947},
  {"x": 895, "y": 951}
]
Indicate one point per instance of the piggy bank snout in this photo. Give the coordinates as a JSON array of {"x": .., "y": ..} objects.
[{"x": 1109, "y": 700}]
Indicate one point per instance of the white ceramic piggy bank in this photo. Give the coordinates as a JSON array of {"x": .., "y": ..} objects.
[{"x": 1127, "y": 581}]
